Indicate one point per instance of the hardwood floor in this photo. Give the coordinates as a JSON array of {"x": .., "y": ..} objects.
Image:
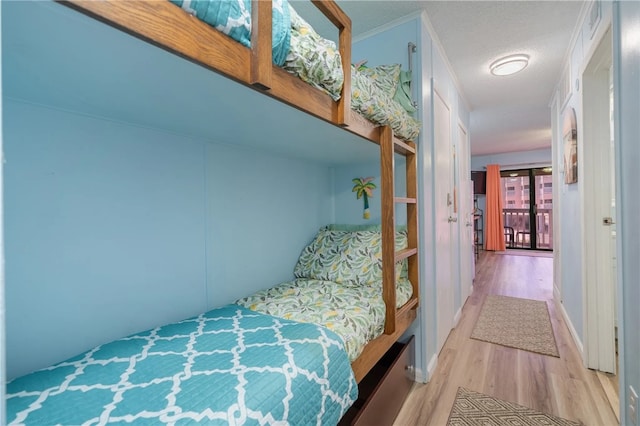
[{"x": 559, "y": 386}]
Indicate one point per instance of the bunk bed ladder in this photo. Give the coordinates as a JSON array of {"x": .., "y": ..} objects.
[{"x": 388, "y": 147}]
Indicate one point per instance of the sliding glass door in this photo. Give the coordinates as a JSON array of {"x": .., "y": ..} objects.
[{"x": 527, "y": 205}]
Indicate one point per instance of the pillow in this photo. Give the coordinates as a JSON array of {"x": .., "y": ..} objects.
[
  {"x": 380, "y": 108},
  {"x": 313, "y": 59},
  {"x": 403, "y": 92},
  {"x": 347, "y": 257},
  {"x": 384, "y": 77}
]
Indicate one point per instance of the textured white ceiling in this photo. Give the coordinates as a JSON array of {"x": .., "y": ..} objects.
[{"x": 507, "y": 113}]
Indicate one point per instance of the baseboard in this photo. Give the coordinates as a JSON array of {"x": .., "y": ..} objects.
[
  {"x": 431, "y": 367},
  {"x": 572, "y": 330},
  {"x": 420, "y": 376},
  {"x": 556, "y": 293},
  {"x": 456, "y": 318}
]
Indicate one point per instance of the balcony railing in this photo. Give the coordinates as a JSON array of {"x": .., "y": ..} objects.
[{"x": 517, "y": 223}]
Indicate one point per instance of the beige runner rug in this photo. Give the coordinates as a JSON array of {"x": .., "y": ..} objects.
[
  {"x": 516, "y": 323},
  {"x": 473, "y": 408}
]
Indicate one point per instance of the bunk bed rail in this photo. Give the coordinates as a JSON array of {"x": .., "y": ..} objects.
[{"x": 165, "y": 25}]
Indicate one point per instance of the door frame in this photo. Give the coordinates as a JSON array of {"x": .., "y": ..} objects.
[
  {"x": 465, "y": 216},
  {"x": 595, "y": 196}
]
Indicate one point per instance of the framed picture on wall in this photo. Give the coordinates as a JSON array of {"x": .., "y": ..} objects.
[{"x": 570, "y": 138}]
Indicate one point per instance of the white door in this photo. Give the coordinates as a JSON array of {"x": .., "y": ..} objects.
[
  {"x": 599, "y": 211},
  {"x": 443, "y": 203},
  {"x": 465, "y": 215}
]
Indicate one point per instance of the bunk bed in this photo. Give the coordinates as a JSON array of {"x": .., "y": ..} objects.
[{"x": 166, "y": 25}]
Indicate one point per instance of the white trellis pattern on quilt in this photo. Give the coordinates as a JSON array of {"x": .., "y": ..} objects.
[{"x": 227, "y": 366}]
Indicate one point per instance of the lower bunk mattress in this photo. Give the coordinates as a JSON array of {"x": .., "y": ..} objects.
[
  {"x": 230, "y": 365},
  {"x": 356, "y": 312}
]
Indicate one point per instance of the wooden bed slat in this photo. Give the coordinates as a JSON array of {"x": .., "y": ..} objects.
[
  {"x": 388, "y": 228},
  {"x": 344, "y": 103},
  {"x": 412, "y": 216},
  {"x": 403, "y": 254},
  {"x": 404, "y": 148},
  {"x": 405, "y": 200},
  {"x": 261, "y": 41}
]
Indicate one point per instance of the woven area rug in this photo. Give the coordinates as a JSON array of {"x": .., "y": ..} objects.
[
  {"x": 516, "y": 323},
  {"x": 473, "y": 408}
]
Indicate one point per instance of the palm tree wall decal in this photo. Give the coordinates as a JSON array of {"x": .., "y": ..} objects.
[{"x": 364, "y": 189}]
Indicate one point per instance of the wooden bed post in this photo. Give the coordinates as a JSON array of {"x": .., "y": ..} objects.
[
  {"x": 388, "y": 228},
  {"x": 261, "y": 48},
  {"x": 412, "y": 217}
]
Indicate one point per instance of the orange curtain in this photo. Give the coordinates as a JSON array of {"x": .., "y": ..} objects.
[{"x": 494, "y": 226}]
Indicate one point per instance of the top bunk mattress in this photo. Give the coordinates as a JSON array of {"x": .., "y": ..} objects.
[{"x": 227, "y": 366}]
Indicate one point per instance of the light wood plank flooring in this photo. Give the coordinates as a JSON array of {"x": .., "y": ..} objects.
[{"x": 559, "y": 386}]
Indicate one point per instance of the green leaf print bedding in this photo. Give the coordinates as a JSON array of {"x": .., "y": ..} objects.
[
  {"x": 354, "y": 312},
  {"x": 345, "y": 256},
  {"x": 381, "y": 108}
]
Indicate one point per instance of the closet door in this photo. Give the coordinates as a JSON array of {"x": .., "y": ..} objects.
[{"x": 444, "y": 217}]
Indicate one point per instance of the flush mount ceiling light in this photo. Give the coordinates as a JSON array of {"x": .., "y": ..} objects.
[{"x": 509, "y": 65}]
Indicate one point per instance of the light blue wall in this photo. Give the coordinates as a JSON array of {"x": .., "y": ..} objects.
[
  {"x": 389, "y": 46},
  {"x": 264, "y": 209},
  {"x": 348, "y": 209},
  {"x": 626, "y": 22},
  {"x": 113, "y": 228}
]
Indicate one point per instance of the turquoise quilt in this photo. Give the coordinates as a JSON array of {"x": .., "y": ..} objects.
[
  {"x": 227, "y": 366},
  {"x": 233, "y": 18}
]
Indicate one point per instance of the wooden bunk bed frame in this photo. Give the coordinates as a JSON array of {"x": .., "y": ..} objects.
[{"x": 165, "y": 25}]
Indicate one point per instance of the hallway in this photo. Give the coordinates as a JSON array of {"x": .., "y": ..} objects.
[{"x": 558, "y": 386}]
